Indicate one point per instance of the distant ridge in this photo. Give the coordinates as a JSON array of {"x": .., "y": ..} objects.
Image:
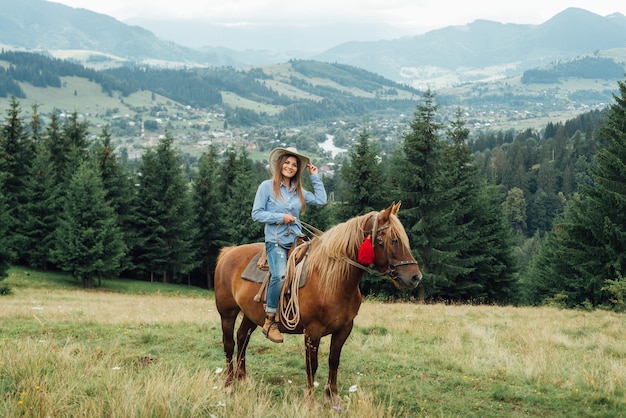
[
  {"x": 478, "y": 51},
  {"x": 484, "y": 43}
]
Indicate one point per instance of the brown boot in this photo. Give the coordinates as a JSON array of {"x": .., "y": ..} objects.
[{"x": 270, "y": 329}]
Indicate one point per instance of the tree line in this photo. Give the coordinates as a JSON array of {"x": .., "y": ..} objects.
[{"x": 71, "y": 205}]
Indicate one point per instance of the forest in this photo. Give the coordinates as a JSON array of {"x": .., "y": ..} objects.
[{"x": 528, "y": 217}]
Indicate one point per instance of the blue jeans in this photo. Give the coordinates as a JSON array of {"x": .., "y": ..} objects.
[{"x": 277, "y": 261}]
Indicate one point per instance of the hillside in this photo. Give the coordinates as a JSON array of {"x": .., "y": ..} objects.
[
  {"x": 296, "y": 93},
  {"x": 282, "y": 90},
  {"x": 38, "y": 25}
]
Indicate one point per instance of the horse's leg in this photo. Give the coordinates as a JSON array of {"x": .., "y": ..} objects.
[
  {"x": 336, "y": 344},
  {"x": 228, "y": 341},
  {"x": 246, "y": 328},
  {"x": 311, "y": 345}
]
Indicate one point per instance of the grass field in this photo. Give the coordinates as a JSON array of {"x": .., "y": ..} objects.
[{"x": 135, "y": 349}]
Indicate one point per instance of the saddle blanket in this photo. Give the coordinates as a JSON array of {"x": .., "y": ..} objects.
[{"x": 254, "y": 274}]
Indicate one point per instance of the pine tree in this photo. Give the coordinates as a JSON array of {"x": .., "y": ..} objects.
[
  {"x": 164, "y": 222},
  {"x": 588, "y": 245},
  {"x": 209, "y": 212},
  {"x": 6, "y": 253},
  {"x": 119, "y": 190},
  {"x": 460, "y": 188},
  {"x": 59, "y": 147},
  {"x": 416, "y": 176},
  {"x": 495, "y": 267},
  {"x": 238, "y": 199},
  {"x": 514, "y": 206},
  {"x": 483, "y": 265},
  {"x": 16, "y": 155},
  {"x": 41, "y": 212},
  {"x": 363, "y": 178},
  {"x": 88, "y": 241},
  {"x": 35, "y": 125}
]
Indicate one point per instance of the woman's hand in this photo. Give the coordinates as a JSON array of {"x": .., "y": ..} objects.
[
  {"x": 312, "y": 168},
  {"x": 287, "y": 219}
]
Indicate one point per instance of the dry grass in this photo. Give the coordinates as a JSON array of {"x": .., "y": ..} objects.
[
  {"x": 47, "y": 306},
  {"x": 66, "y": 352}
]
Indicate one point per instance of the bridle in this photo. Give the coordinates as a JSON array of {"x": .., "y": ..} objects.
[{"x": 377, "y": 239}]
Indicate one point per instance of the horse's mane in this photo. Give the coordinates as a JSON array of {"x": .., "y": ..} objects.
[{"x": 328, "y": 253}]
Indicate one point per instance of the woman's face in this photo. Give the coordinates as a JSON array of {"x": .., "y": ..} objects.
[{"x": 290, "y": 167}]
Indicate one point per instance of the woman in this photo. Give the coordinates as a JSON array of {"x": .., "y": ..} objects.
[{"x": 278, "y": 204}]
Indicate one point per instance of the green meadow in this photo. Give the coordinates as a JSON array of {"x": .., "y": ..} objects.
[{"x": 138, "y": 349}]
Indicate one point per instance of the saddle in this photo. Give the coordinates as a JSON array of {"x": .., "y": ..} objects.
[{"x": 257, "y": 269}]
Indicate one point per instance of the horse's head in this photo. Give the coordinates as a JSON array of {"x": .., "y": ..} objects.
[{"x": 392, "y": 250}]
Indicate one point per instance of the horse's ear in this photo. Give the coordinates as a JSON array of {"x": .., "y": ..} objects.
[
  {"x": 384, "y": 215},
  {"x": 395, "y": 207}
]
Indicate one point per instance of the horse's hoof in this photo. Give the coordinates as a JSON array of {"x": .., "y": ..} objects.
[
  {"x": 230, "y": 389},
  {"x": 333, "y": 399}
]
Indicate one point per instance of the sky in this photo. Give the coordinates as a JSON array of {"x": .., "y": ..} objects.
[{"x": 413, "y": 16}]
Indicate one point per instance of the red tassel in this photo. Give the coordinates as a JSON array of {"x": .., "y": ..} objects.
[{"x": 366, "y": 252}]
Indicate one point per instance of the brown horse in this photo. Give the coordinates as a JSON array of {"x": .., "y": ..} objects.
[{"x": 328, "y": 302}]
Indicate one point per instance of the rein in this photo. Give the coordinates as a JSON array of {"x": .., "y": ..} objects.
[
  {"x": 376, "y": 238},
  {"x": 289, "y": 307},
  {"x": 311, "y": 229},
  {"x": 374, "y": 234}
]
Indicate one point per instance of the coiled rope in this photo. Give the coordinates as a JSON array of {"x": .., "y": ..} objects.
[{"x": 289, "y": 301}]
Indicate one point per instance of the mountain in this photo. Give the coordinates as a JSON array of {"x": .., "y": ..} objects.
[
  {"x": 295, "y": 40},
  {"x": 484, "y": 44},
  {"x": 482, "y": 50},
  {"x": 38, "y": 25}
]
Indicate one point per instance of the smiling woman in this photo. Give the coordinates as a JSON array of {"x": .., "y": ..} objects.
[{"x": 278, "y": 204}]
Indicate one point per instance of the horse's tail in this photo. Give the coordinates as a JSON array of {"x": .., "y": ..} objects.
[{"x": 223, "y": 252}]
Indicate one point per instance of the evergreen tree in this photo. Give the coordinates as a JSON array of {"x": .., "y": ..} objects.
[
  {"x": 482, "y": 269},
  {"x": 88, "y": 241},
  {"x": 36, "y": 130},
  {"x": 16, "y": 155},
  {"x": 164, "y": 222},
  {"x": 6, "y": 253},
  {"x": 75, "y": 137},
  {"x": 363, "y": 179},
  {"x": 76, "y": 132},
  {"x": 209, "y": 212},
  {"x": 119, "y": 190},
  {"x": 42, "y": 210},
  {"x": 238, "y": 199},
  {"x": 587, "y": 248},
  {"x": 416, "y": 175},
  {"x": 59, "y": 148},
  {"x": 495, "y": 268},
  {"x": 514, "y": 206},
  {"x": 460, "y": 188},
  {"x": 63, "y": 150}
]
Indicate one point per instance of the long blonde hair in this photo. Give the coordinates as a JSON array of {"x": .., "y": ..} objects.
[{"x": 297, "y": 179}]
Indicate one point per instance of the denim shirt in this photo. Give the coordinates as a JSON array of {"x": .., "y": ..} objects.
[{"x": 271, "y": 210}]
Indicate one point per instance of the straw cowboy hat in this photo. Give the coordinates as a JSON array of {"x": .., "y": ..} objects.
[{"x": 279, "y": 152}]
